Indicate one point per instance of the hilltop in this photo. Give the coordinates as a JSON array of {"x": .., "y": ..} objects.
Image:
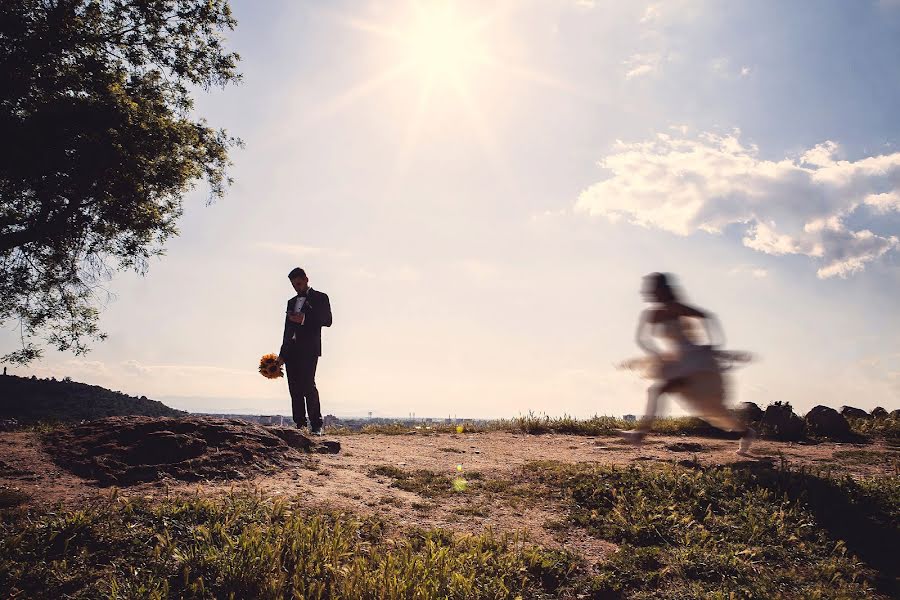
[
  {"x": 205, "y": 508},
  {"x": 32, "y": 400}
]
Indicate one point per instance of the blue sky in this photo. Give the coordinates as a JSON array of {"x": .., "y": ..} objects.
[{"x": 481, "y": 203}]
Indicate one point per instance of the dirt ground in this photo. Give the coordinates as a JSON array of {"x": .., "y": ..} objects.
[{"x": 344, "y": 481}]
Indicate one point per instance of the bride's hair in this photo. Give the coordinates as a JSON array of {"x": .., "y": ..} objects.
[{"x": 659, "y": 283}]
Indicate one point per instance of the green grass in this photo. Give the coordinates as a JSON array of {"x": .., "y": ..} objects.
[
  {"x": 884, "y": 427},
  {"x": 247, "y": 547},
  {"x": 763, "y": 533},
  {"x": 425, "y": 483},
  {"x": 723, "y": 532},
  {"x": 543, "y": 424}
]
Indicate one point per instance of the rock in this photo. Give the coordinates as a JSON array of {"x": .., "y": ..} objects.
[
  {"x": 827, "y": 422},
  {"x": 750, "y": 412},
  {"x": 879, "y": 413},
  {"x": 895, "y": 414},
  {"x": 780, "y": 422},
  {"x": 854, "y": 413}
]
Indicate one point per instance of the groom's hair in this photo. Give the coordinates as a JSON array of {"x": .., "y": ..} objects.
[{"x": 296, "y": 272}]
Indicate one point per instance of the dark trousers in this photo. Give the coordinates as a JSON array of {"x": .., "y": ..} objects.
[{"x": 301, "y": 376}]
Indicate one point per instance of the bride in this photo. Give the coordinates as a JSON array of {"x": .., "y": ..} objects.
[{"x": 683, "y": 366}]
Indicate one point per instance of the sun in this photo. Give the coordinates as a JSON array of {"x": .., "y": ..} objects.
[
  {"x": 438, "y": 57},
  {"x": 441, "y": 46}
]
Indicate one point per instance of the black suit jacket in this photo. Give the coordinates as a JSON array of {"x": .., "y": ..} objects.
[{"x": 306, "y": 339}]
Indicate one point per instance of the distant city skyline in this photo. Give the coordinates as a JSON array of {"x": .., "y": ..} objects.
[{"x": 479, "y": 188}]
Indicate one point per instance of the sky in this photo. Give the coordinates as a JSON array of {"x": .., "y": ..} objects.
[{"x": 480, "y": 187}]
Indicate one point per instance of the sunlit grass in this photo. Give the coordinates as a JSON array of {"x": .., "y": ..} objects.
[
  {"x": 686, "y": 533},
  {"x": 247, "y": 547},
  {"x": 719, "y": 532},
  {"x": 536, "y": 424}
]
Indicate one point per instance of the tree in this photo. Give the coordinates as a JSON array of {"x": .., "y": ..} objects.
[{"x": 99, "y": 148}]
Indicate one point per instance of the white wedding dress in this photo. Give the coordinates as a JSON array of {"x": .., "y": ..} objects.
[{"x": 699, "y": 370}]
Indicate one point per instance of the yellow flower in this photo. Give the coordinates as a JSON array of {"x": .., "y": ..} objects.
[{"x": 269, "y": 367}]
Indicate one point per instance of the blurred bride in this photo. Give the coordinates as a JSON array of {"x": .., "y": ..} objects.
[{"x": 680, "y": 364}]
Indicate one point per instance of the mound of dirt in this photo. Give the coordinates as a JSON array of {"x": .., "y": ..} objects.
[{"x": 129, "y": 450}]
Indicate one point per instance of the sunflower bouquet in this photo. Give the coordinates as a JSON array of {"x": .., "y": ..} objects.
[{"x": 269, "y": 367}]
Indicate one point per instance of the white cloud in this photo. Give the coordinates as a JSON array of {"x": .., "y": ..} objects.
[
  {"x": 393, "y": 274},
  {"x": 724, "y": 68},
  {"x": 133, "y": 367},
  {"x": 749, "y": 270},
  {"x": 639, "y": 71},
  {"x": 640, "y": 65},
  {"x": 651, "y": 13},
  {"x": 789, "y": 206},
  {"x": 884, "y": 203}
]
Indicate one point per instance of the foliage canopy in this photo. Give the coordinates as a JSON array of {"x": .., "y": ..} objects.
[{"x": 100, "y": 148}]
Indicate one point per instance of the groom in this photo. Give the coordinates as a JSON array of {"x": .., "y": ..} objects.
[{"x": 307, "y": 313}]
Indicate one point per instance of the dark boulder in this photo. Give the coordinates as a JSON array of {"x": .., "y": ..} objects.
[
  {"x": 854, "y": 413},
  {"x": 750, "y": 412},
  {"x": 780, "y": 422},
  {"x": 879, "y": 413},
  {"x": 895, "y": 414},
  {"x": 827, "y": 422}
]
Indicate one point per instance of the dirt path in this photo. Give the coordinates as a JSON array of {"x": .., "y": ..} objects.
[{"x": 491, "y": 461}]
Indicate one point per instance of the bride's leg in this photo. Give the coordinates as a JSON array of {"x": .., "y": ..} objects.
[
  {"x": 704, "y": 395},
  {"x": 636, "y": 435},
  {"x": 653, "y": 393}
]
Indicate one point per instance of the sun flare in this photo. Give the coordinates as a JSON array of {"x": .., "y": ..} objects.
[
  {"x": 441, "y": 46},
  {"x": 440, "y": 57}
]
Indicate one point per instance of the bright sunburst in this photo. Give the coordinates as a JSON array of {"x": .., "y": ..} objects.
[
  {"x": 441, "y": 46},
  {"x": 433, "y": 50}
]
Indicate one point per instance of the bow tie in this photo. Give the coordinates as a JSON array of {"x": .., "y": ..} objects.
[{"x": 302, "y": 295}]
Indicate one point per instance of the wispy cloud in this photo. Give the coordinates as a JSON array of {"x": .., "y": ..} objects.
[
  {"x": 790, "y": 206},
  {"x": 299, "y": 250},
  {"x": 640, "y": 65},
  {"x": 749, "y": 271},
  {"x": 393, "y": 273},
  {"x": 651, "y": 14},
  {"x": 723, "y": 67}
]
